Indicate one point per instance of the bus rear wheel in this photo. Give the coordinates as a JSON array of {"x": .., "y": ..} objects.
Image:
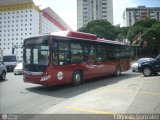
[
  {"x": 77, "y": 78},
  {"x": 118, "y": 71}
]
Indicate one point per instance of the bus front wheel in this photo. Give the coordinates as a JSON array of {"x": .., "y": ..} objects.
[
  {"x": 77, "y": 78},
  {"x": 118, "y": 71}
]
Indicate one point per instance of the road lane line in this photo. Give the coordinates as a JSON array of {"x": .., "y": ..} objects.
[{"x": 89, "y": 110}]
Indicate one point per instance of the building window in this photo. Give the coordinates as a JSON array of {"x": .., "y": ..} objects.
[{"x": 104, "y": 3}]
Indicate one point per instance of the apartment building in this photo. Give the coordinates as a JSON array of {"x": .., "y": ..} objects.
[
  {"x": 88, "y": 10},
  {"x": 20, "y": 19},
  {"x": 131, "y": 15},
  {"x": 50, "y": 21}
]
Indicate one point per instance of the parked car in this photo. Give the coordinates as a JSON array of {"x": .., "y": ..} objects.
[
  {"x": 3, "y": 71},
  {"x": 134, "y": 66},
  {"x": 10, "y": 62},
  {"x": 151, "y": 67},
  {"x": 18, "y": 69}
]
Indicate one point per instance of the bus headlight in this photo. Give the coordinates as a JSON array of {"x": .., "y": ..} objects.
[{"x": 45, "y": 78}]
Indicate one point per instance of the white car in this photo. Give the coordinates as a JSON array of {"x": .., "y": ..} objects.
[
  {"x": 134, "y": 66},
  {"x": 18, "y": 69}
]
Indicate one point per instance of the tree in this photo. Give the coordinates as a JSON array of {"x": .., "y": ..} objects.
[
  {"x": 122, "y": 33},
  {"x": 102, "y": 28},
  {"x": 147, "y": 23},
  {"x": 152, "y": 36},
  {"x": 139, "y": 27},
  {"x": 134, "y": 31}
]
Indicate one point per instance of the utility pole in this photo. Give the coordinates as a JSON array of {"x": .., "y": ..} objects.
[{"x": 13, "y": 47}]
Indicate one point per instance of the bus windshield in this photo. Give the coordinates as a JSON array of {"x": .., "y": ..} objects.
[{"x": 36, "y": 56}]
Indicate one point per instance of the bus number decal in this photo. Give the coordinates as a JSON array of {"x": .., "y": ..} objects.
[{"x": 60, "y": 75}]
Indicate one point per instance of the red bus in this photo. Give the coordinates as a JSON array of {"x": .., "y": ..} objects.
[{"x": 72, "y": 57}]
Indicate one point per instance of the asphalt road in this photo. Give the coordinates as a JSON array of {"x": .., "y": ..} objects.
[{"x": 131, "y": 93}]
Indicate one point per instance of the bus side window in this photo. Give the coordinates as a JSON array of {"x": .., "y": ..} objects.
[
  {"x": 92, "y": 54},
  {"x": 55, "y": 53},
  {"x": 101, "y": 53},
  {"x": 86, "y": 53},
  {"x": 109, "y": 53},
  {"x": 64, "y": 54},
  {"x": 77, "y": 55},
  {"x": 64, "y": 58},
  {"x": 55, "y": 58}
]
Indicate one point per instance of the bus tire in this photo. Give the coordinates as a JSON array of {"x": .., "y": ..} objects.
[
  {"x": 77, "y": 78},
  {"x": 118, "y": 71}
]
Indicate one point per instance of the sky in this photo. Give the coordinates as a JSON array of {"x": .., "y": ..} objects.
[{"x": 67, "y": 9}]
